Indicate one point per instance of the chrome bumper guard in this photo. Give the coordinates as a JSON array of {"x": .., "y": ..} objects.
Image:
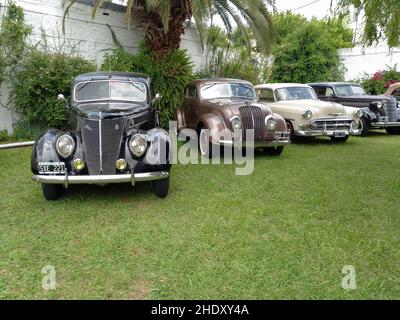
[
  {"x": 101, "y": 179},
  {"x": 281, "y": 139}
]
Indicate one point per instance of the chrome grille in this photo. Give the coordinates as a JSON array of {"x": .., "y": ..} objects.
[
  {"x": 331, "y": 124},
  {"x": 390, "y": 107},
  {"x": 252, "y": 118},
  {"x": 102, "y": 143}
]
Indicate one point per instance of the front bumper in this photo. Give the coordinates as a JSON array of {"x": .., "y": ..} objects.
[
  {"x": 384, "y": 124},
  {"x": 101, "y": 179},
  {"x": 306, "y": 131}
]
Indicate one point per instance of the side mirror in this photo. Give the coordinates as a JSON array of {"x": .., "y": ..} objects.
[
  {"x": 61, "y": 97},
  {"x": 156, "y": 98}
]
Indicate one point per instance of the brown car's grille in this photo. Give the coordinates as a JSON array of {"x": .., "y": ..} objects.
[
  {"x": 102, "y": 144},
  {"x": 252, "y": 118},
  {"x": 331, "y": 124}
]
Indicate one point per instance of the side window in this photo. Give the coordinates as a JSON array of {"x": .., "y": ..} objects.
[
  {"x": 329, "y": 92},
  {"x": 191, "y": 92},
  {"x": 266, "y": 95}
]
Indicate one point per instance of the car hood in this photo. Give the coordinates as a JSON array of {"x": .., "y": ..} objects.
[
  {"x": 230, "y": 107},
  {"x": 317, "y": 106},
  {"x": 109, "y": 109},
  {"x": 366, "y": 98}
]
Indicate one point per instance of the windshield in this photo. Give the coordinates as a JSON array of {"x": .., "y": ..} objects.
[
  {"x": 110, "y": 90},
  {"x": 228, "y": 90},
  {"x": 349, "y": 90},
  {"x": 295, "y": 93}
]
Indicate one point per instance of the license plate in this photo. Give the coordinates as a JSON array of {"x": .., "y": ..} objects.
[
  {"x": 51, "y": 167},
  {"x": 340, "y": 134}
]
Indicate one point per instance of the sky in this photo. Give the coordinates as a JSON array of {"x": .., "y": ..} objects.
[{"x": 308, "y": 8}]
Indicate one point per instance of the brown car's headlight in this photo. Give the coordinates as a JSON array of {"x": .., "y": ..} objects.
[
  {"x": 270, "y": 123},
  {"x": 65, "y": 146},
  {"x": 138, "y": 145},
  {"x": 236, "y": 123}
]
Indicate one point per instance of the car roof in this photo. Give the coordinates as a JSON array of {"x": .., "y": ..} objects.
[
  {"x": 109, "y": 75},
  {"x": 221, "y": 80},
  {"x": 326, "y": 84},
  {"x": 275, "y": 86}
]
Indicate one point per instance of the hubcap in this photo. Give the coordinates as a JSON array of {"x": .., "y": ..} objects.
[{"x": 203, "y": 142}]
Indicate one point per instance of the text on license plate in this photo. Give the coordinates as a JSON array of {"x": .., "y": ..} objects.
[
  {"x": 340, "y": 134},
  {"x": 51, "y": 167}
]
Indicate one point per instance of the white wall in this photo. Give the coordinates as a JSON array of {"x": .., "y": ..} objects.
[
  {"x": 359, "y": 60},
  {"x": 91, "y": 36}
]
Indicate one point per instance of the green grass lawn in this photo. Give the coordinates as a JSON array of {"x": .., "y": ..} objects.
[{"x": 283, "y": 232}]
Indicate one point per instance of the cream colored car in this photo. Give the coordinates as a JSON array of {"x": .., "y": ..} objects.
[{"x": 306, "y": 115}]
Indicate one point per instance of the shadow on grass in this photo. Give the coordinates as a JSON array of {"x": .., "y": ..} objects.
[{"x": 118, "y": 191}]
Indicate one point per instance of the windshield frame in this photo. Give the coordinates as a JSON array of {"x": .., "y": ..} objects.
[
  {"x": 277, "y": 96},
  {"x": 132, "y": 81},
  {"x": 229, "y": 84}
]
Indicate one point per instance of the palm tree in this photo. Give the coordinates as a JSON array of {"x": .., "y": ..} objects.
[{"x": 164, "y": 20}]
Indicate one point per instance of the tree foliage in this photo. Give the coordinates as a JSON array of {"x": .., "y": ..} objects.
[
  {"x": 164, "y": 20},
  {"x": 381, "y": 19},
  {"x": 307, "y": 50},
  {"x": 13, "y": 34}
]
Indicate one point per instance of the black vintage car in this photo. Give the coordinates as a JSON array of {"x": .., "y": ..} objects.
[
  {"x": 380, "y": 112},
  {"x": 116, "y": 137}
]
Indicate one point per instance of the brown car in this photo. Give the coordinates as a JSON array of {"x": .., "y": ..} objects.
[{"x": 215, "y": 106}]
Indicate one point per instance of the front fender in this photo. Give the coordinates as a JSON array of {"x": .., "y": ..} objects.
[
  {"x": 214, "y": 124},
  {"x": 44, "y": 149}
]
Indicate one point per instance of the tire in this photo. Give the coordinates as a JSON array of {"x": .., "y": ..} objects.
[
  {"x": 290, "y": 129},
  {"x": 364, "y": 126},
  {"x": 205, "y": 146},
  {"x": 273, "y": 151},
  {"x": 161, "y": 187},
  {"x": 393, "y": 130},
  {"x": 340, "y": 140},
  {"x": 52, "y": 192}
]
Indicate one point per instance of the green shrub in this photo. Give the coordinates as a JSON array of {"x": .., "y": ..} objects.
[
  {"x": 170, "y": 74},
  {"x": 379, "y": 82},
  {"x": 35, "y": 88},
  {"x": 307, "y": 55}
]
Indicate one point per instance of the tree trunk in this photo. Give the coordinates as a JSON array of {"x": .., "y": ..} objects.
[{"x": 155, "y": 38}]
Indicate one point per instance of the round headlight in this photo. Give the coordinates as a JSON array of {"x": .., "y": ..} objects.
[
  {"x": 138, "y": 145},
  {"x": 359, "y": 113},
  {"x": 270, "y": 123},
  {"x": 307, "y": 114},
  {"x": 236, "y": 123},
  {"x": 65, "y": 146}
]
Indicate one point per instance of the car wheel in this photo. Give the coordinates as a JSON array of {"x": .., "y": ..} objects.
[
  {"x": 52, "y": 191},
  {"x": 273, "y": 151},
  {"x": 341, "y": 139},
  {"x": 364, "y": 126},
  {"x": 205, "y": 146},
  {"x": 161, "y": 187},
  {"x": 290, "y": 129},
  {"x": 391, "y": 130}
]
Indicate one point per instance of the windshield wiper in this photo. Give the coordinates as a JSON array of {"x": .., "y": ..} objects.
[
  {"x": 208, "y": 86},
  {"x": 136, "y": 86}
]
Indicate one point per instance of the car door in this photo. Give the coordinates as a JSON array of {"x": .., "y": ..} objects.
[{"x": 190, "y": 105}]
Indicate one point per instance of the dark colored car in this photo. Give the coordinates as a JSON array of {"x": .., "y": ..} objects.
[
  {"x": 229, "y": 105},
  {"x": 116, "y": 138},
  {"x": 380, "y": 112}
]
